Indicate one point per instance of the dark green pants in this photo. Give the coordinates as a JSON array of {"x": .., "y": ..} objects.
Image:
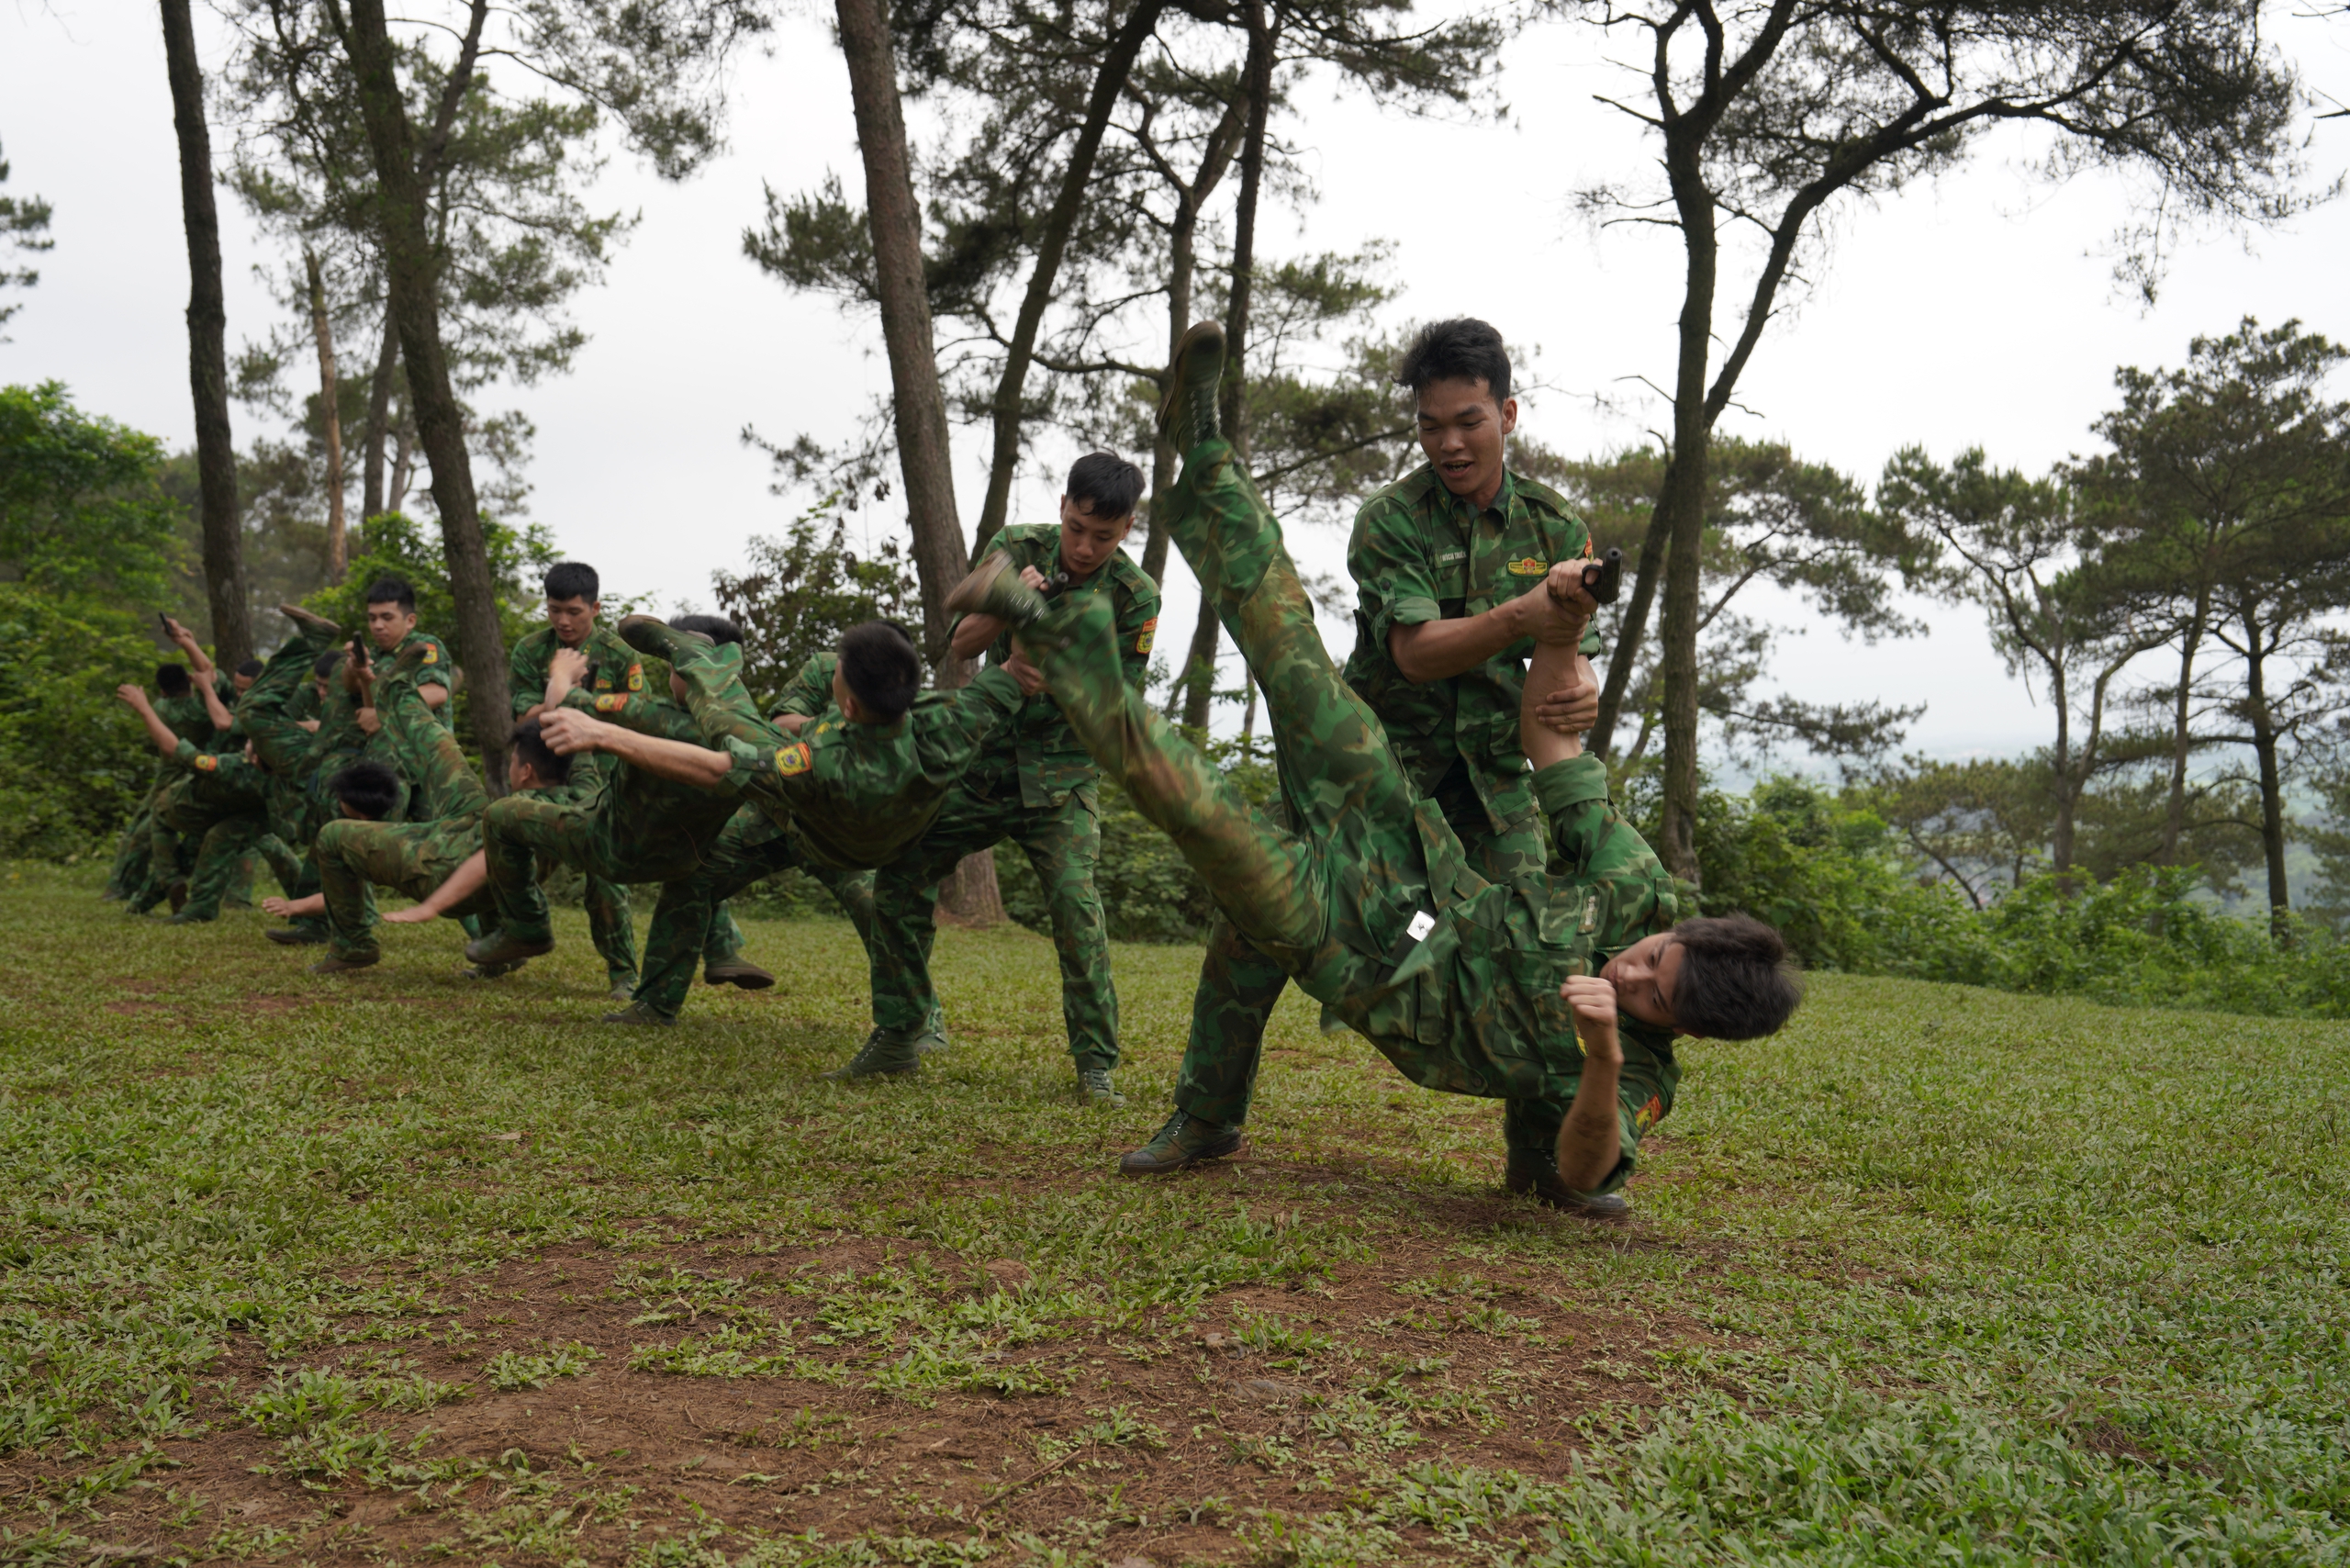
[
  {"x": 694, "y": 926},
  {"x": 1063, "y": 841}
]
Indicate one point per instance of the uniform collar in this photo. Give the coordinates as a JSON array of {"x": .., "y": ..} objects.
[{"x": 1463, "y": 511}]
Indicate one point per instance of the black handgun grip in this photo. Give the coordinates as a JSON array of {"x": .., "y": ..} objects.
[{"x": 1604, "y": 578}]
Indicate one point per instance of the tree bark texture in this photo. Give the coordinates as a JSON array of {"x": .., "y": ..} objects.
[
  {"x": 379, "y": 418},
  {"x": 411, "y": 269},
  {"x": 1206, "y": 630},
  {"x": 2265, "y": 748},
  {"x": 1109, "y": 80},
  {"x": 331, "y": 417},
  {"x": 1634, "y": 628},
  {"x": 1680, "y": 509},
  {"x": 208, "y": 349},
  {"x": 926, "y": 458},
  {"x": 2181, "y": 742}
]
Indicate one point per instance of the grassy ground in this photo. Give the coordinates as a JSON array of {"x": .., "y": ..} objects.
[{"x": 404, "y": 1267}]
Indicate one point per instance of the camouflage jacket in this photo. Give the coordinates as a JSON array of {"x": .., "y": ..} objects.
[
  {"x": 1419, "y": 553},
  {"x": 1051, "y": 762},
  {"x": 612, "y": 665}
]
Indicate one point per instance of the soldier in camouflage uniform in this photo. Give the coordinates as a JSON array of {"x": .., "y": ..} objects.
[
  {"x": 573, "y": 596},
  {"x": 279, "y": 714},
  {"x": 1371, "y": 905},
  {"x": 391, "y": 626},
  {"x": 182, "y": 707},
  {"x": 212, "y": 805},
  {"x": 635, "y": 826},
  {"x": 1442, "y": 560},
  {"x": 850, "y": 789},
  {"x": 1034, "y": 785}
]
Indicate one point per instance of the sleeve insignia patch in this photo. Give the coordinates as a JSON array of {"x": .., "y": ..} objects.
[
  {"x": 208, "y": 763},
  {"x": 1649, "y": 1115},
  {"x": 432, "y": 655},
  {"x": 636, "y": 677},
  {"x": 794, "y": 759},
  {"x": 1150, "y": 631},
  {"x": 1528, "y": 567},
  {"x": 613, "y": 703}
]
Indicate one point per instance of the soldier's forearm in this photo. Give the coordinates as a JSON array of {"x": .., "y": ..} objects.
[
  {"x": 1590, "y": 1139},
  {"x": 974, "y": 635},
  {"x": 1439, "y": 650},
  {"x": 678, "y": 760},
  {"x": 434, "y": 696}
]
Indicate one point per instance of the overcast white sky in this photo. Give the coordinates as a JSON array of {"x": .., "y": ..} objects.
[{"x": 1980, "y": 310}]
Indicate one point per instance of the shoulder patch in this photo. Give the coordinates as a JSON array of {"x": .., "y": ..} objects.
[
  {"x": 1528, "y": 567},
  {"x": 1649, "y": 1115},
  {"x": 613, "y": 703},
  {"x": 1536, "y": 490},
  {"x": 1150, "y": 631},
  {"x": 207, "y": 762},
  {"x": 794, "y": 759},
  {"x": 432, "y": 654},
  {"x": 636, "y": 677}
]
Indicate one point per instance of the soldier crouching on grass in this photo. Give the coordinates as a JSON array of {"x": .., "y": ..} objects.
[{"x": 1466, "y": 985}]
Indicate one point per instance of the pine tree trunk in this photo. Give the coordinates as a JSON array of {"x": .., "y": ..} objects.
[
  {"x": 331, "y": 416},
  {"x": 1109, "y": 82},
  {"x": 411, "y": 269},
  {"x": 1648, "y": 571},
  {"x": 379, "y": 419},
  {"x": 1233, "y": 413},
  {"x": 2181, "y": 742},
  {"x": 2272, "y": 778},
  {"x": 926, "y": 460},
  {"x": 208, "y": 349},
  {"x": 1682, "y": 509}
]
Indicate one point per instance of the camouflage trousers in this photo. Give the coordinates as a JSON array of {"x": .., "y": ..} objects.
[
  {"x": 1062, "y": 841},
  {"x": 524, "y": 832},
  {"x": 693, "y": 923},
  {"x": 1239, "y": 986},
  {"x": 204, "y": 845},
  {"x": 1369, "y": 903},
  {"x": 413, "y": 859},
  {"x": 129, "y": 872}
]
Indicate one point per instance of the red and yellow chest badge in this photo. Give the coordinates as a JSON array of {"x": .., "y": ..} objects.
[
  {"x": 208, "y": 763},
  {"x": 794, "y": 759},
  {"x": 614, "y": 703},
  {"x": 1150, "y": 631},
  {"x": 1528, "y": 567}
]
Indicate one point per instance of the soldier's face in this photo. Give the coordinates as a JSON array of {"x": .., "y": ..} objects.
[
  {"x": 1462, "y": 429},
  {"x": 572, "y": 619},
  {"x": 1087, "y": 541},
  {"x": 1643, "y": 974},
  {"x": 387, "y": 624}
]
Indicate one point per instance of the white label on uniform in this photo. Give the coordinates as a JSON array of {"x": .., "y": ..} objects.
[{"x": 1422, "y": 924}]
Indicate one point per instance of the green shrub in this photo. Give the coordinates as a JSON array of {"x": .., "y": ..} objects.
[{"x": 74, "y": 760}]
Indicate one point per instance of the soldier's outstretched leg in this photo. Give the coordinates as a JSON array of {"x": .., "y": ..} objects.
[
  {"x": 684, "y": 923},
  {"x": 516, "y": 830}
]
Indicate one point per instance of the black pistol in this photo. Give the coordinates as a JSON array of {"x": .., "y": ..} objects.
[{"x": 1604, "y": 578}]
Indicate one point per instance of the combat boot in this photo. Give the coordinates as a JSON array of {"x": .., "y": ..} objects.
[
  {"x": 1187, "y": 416},
  {"x": 1094, "y": 1083},
  {"x": 738, "y": 971},
  {"x": 338, "y": 963},
  {"x": 650, "y": 634},
  {"x": 497, "y": 948},
  {"x": 1532, "y": 1176},
  {"x": 883, "y": 1055},
  {"x": 638, "y": 1013},
  {"x": 185, "y": 918},
  {"x": 994, "y": 588},
  {"x": 295, "y": 936},
  {"x": 1184, "y": 1141}
]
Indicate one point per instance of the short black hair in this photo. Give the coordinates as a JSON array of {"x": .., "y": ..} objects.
[
  {"x": 326, "y": 664},
  {"x": 1105, "y": 485},
  {"x": 1737, "y": 978},
  {"x": 717, "y": 627},
  {"x": 370, "y": 789},
  {"x": 173, "y": 679},
  {"x": 574, "y": 579},
  {"x": 531, "y": 747},
  {"x": 1463, "y": 349},
  {"x": 251, "y": 669},
  {"x": 392, "y": 590},
  {"x": 880, "y": 667}
]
